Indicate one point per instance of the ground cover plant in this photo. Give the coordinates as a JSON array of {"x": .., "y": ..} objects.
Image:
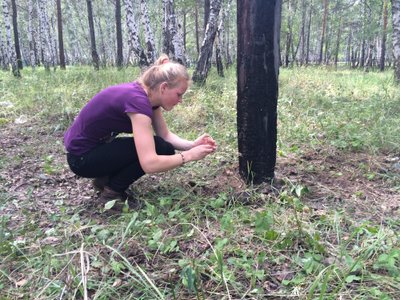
[{"x": 326, "y": 228}]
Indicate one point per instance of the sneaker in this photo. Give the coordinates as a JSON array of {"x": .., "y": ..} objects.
[{"x": 99, "y": 183}]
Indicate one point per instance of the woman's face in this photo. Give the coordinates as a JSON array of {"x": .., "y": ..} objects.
[{"x": 171, "y": 96}]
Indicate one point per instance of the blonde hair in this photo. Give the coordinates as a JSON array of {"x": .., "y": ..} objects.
[{"x": 163, "y": 70}]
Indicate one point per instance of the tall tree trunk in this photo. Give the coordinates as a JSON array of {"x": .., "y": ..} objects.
[
  {"x": 31, "y": 35},
  {"x": 338, "y": 36},
  {"x": 303, "y": 32},
  {"x": 323, "y": 31},
  {"x": 148, "y": 33},
  {"x": 308, "y": 34},
  {"x": 118, "y": 29},
  {"x": 75, "y": 46},
  {"x": 204, "y": 61},
  {"x": 368, "y": 63},
  {"x": 95, "y": 56},
  {"x": 11, "y": 57},
  {"x": 60, "y": 36},
  {"x": 3, "y": 54},
  {"x": 196, "y": 25},
  {"x": 258, "y": 26},
  {"x": 16, "y": 34},
  {"x": 384, "y": 35},
  {"x": 227, "y": 43},
  {"x": 207, "y": 7},
  {"x": 133, "y": 40},
  {"x": 396, "y": 37},
  {"x": 172, "y": 43}
]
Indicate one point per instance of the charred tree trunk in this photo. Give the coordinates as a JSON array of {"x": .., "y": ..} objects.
[
  {"x": 118, "y": 28},
  {"x": 95, "y": 56},
  {"x": 258, "y": 25},
  {"x": 60, "y": 35}
]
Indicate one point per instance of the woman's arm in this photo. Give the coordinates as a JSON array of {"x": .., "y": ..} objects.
[
  {"x": 161, "y": 129},
  {"x": 150, "y": 161}
]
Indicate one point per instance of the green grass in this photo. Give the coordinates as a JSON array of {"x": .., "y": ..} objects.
[
  {"x": 348, "y": 109},
  {"x": 193, "y": 239}
]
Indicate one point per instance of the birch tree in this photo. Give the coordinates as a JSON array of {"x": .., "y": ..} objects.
[
  {"x": 31, "y": 35},
  {"x": 206, "y": 50},
  {"x": 148, "y": 33},
  {"x": 3, "y": 55},
  {"x": 396, "y": 37},
  {"x": 384, "y": 35},
  {"x": 257, "y": 87},
  {"x": 11, "y": 57},
  {"x": 133, "y": 38},
  {"x": 173, "y": 41},
  {"x": 16, "y": 34},
  {"x": 323, "y": 31},
  {"x": 44, "y": 31}
]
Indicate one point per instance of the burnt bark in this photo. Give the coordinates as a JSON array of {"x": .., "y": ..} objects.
[
  {"x": 95, "y": 56},
  {"x": 258, "y": 26},
  {"x": 118, "y": 27},
  {"x": 60, "y": 36}
]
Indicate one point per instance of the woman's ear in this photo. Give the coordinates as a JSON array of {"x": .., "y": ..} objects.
[{"x": 163, "y": 86}]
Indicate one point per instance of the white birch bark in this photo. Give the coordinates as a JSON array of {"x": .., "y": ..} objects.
[
  {"x": 43, "y": 34},
  {"x": 31, "y": 34},
  {"x": 148, "y": 33},
  {"x": 133, "y": 39},
  {"x": 52, "y": 33},
  {"x": 11, "y": 57},
  {"x": 173, "y": 42},
  {"x": 110, "y": 36},
  {"x": 3, "y": 57},
  {"x": 204, "y": 61},
  {"x": 396, "y": 37}
]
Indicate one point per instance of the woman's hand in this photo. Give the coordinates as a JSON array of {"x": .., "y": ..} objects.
[
  {"x": 199, "y": 152},
  {"x": 205, "y": 139}
]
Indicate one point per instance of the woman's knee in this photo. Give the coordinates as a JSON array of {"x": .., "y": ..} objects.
[{"x": 163, "y": 147}]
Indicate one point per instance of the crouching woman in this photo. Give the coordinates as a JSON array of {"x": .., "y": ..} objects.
[{"x": 94, "y": 151}]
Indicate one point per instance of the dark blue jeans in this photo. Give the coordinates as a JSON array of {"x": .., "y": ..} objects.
[{"x": 117, "y": 159}]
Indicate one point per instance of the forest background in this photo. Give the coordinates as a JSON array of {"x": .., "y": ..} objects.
[
  {"x": 327, "y": 228},
  {"x": 108, "y": 33}
]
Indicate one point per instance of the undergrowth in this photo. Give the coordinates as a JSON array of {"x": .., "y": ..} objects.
[{"x": 195, "y": 239}]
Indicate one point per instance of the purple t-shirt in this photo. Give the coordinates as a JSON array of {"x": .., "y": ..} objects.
[{"x": 105, "y": 116}]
